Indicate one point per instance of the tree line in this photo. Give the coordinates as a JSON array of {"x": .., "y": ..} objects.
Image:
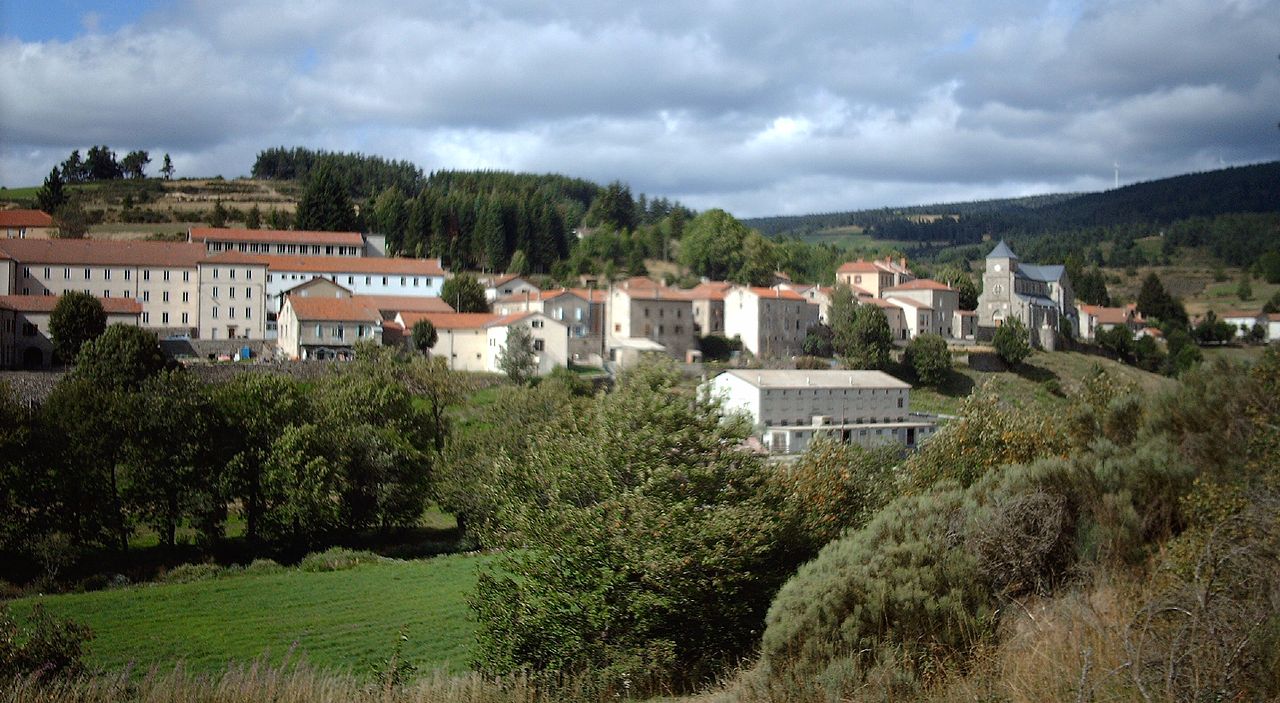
[{"x": 128, "y": 442}]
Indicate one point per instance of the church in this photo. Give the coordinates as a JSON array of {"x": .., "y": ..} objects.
[{"x": 1038, "y": 295}]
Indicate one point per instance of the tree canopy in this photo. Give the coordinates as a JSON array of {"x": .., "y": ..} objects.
[
  {"x": 76, "y": 319},
  {"x": 464, "y": 293},
  {"x": 326, "y": 205}
]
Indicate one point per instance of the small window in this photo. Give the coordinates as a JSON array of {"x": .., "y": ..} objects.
[
  {"x": 539, "y": 345},
  {"x": 185, "y": 318}
]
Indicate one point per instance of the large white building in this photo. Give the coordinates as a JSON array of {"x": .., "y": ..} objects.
[
  {"x": 771, "y": 322},
  {"x": 788, "y": 408}
]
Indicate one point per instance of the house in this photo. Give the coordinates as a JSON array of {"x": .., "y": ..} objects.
[
  {"x": 789, "y": 408},
  {"x": 708, "y": 307},
  {"x": 870, "y": 278},
  {"x": 771, "y": 322},
  {"x": 1093, "y": 319},
  {"x": 895, "y": 313},
  {"x": 324, "y": 327},
  {"x": 646, "y": 317},
  {"x": 581, "y": 310},
  {"x": 283, "y": 242},
  {"x": 550, "y": 340},
  {"x": 930, "y": 306},
  {"x": 1038, "y": 295},
  {"x": 24, "y": 327},
  {"x": 508, "y": 285},
  {"x": 1244, "y": 322},
  {"x": 162, "y": 276},
  {"x": 26, "y": 224},
  {"x": 234, "y": 300},
  {"x": 475, "y": 341}
]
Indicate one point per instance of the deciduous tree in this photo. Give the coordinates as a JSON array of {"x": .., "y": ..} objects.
[
  {"x": 465, "y": 294},
  {"x": 518, "y": 360},
  {"x": 1012, "y": 342},
  {"x": 929, "y": 357},
  {"x": 424, "y": 335},
  {"x": 76, "y": 318}
]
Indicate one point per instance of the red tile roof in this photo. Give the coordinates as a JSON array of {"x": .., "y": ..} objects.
[
  {"x": 45, "y": 303},
  {"x": 407, "y": 303},
  {"x": 332, "y": 309},
  {"x": 97, "y": 252},
  {"x": 25, "y": 218},
  {"x": 709, "y": 290},
  {"x": 858, "y": 267},
  {"x": 274, "y": 236},
  {"x": 921, "y": 284},
  {"x": 379, "y": 265},
  {"x": 595, "y": 295},
  {"x": 1108, "y": 316},
  {"x": 450, "y": 320},
  {"x": 774, "y": 293}
]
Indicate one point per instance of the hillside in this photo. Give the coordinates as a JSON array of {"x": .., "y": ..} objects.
[{"x": 1232, "y": 190}]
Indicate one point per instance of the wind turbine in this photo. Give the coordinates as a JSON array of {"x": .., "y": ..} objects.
[{"x": 1117, "y": 167}]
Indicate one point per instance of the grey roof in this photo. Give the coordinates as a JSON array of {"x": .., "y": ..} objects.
[
  {"x": 819, "y": 378},
  {"x": 1048, "y": 274},
  {"x": 1002, "y": 251}
]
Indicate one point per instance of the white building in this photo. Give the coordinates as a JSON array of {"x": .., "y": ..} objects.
[
  {"x": 550, "y": 340},
  {"x": 788, "y": 408},
  {"x": 771, "y": 322}
]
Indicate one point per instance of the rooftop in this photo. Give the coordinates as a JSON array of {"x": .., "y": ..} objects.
[
  {"x": 400, "y": 266},
  {"x": 789, "y": 378},
  {"x": 25, "y": 218},
  {"x": 333, "y": 309},
  {"x": 45, "y": 303},
  {"x": 920, "y": 284},
  {"x": 274, "y": 236},
  {"x": 1002, "y": 251},
  {"x": 99, "y": 252},
  {"x": 450, "y": 320}
]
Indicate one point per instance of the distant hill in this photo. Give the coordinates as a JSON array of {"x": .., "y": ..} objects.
[{"x": 1243, "y": 189}]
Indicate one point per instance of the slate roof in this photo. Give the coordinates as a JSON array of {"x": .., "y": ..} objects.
[
  {"x": 1002, "y": 251},
  {"x": 1046, "y": 274}
]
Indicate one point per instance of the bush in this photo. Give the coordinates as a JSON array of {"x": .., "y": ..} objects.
[
  {"x": 188, "y": 573},
  {"x": 336, "y": 559},
  {"x": 929, "y": 357},
  {"x": 262, "y": 567},
  {"x": 44, "y": 645},
  {"x": 1012, "y": 342},
  {"x": 812, "y": 362},
  {"x": 903, "y": 588}
]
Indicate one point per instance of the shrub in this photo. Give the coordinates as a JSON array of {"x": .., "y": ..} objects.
[
  {"x": 812, "y": 362},
  {"x": 336, "y": 559},
  {"x": 903, "y": 588},
  {"x": 1012, "y": 342},
  {"x": 929, "y": 357},
  {"x": 43, "y": 645},
  {"x": 187, "y": 573},
  {"x": 262, "y": 567},
  {"x": 1023, "y": 542}
]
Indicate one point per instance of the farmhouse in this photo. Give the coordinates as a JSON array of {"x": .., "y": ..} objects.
[{"x": 788, "y": 409}]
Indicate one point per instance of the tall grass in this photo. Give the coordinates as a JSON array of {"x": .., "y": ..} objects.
[{"x": 294, "y": 683}]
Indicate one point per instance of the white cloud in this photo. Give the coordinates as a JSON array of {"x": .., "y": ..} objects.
[{"x": 756, "y": 106}]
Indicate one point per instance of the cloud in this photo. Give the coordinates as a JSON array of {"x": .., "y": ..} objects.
[{"x": 756, "y": 106}]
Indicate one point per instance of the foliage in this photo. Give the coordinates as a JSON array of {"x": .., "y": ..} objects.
[
  {"x": 122, "y": 357},
  {"x": 1244, "y": 291},
  {"x": 818, "y": 341},
  {"x": 715, "y": 347},
  {"x": 1211, "y": 330},
  {"x": 929, "y": 357},
  {"x": 988, "y": 434},
  {"x": 1118, "y": 340},
  {"x": 647, "y": 545},
  {"x": 326, "y": 204},
  {"x": 519, "y": 263},
  {"x": 868, "y": 339},
  {"x": 1155, "y": 302},
  {"x": 1012, "y": 342},
  {"x": 714, "y": 245},
  {"x": 76, "y": 318},
  {"x": 43, "y": 646},
  {"x": 964, "y": 285},
  {"x": 518, "y": 359},
  {"x": 364, "y": 175},
  {"x": 424, "y": 335},
  {"x": 464, "y": 293},
  {"x": 336, "y": 559},
  {"x": 52, "y": 195},
  {"x": 71, "y": 220}
]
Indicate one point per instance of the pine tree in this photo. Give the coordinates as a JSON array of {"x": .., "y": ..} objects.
[
  {"x": 51, "y": 195},
  {"x": 326, "y": 205},
  {"x": 167, "y": 169}
]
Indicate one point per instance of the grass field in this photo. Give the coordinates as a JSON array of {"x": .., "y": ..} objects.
[
  {"x": 337, "y": 620},
  {"x": 1026, "y": 387}
]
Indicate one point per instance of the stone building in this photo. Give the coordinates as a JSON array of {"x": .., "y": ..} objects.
[{"x": 1038, "y": 295}]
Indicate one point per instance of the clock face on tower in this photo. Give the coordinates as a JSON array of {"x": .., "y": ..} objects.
[{"x": 997, "y": 268}]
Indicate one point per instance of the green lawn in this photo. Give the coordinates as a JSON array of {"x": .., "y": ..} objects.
[
  {"x": 1026, "y": 387},
  {"x": 337, "y": 620}
]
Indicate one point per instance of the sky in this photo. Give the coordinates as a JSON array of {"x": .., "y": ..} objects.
[{"x": 760, "y": 108}]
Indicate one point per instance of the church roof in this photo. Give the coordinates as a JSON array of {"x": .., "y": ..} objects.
[
  {"x": 1047, "y": 274},
  {"x": 1002, "y": 251}
]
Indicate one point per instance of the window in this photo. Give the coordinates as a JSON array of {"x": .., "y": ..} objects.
[
  {"x": 106, "y": 274},
  {"x": 337, "y": 331},
  {"x": 268, "y": 278},
  {"x": 146, "y": 274},
  {"x": 319, "y": 332},
  {"x": 215, "y": 291},
  {"x": 368, "y": 280},
  {"x": 248, "y": 313},
  {"x": 215, "y": 274},
  {"x": 66, "y": 273},
  {"x": 351, "y": 280},
  {"x": 186, "y": 297},
  {"x": 214, "y": 312},
  {"x": 231, "y": 292},
  {"x": 166, "y": 275},
  {"x": 164, "y": 297},
  {"x": 86, "y": 274},
  {"x": 185, "y": 317},
  {"x": 539, "y": 345},
  {"x": 231, "y": 273},
  {"x": 415, "y": 281},
  {"x": 384, "y": 280},
  {"x": 248, "y": 293},
  {"x": 164, "y": 318},
  {"x": 536, "y": 324},
  {"x": 46, "y": 273},
  {"x": 402, "y": 280},
  {"x": 899, "y": 402},
  {"x": 146, "y": 296},
  {"x": 146, "y": 318},
  {"x": 248, "y": 274}
]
